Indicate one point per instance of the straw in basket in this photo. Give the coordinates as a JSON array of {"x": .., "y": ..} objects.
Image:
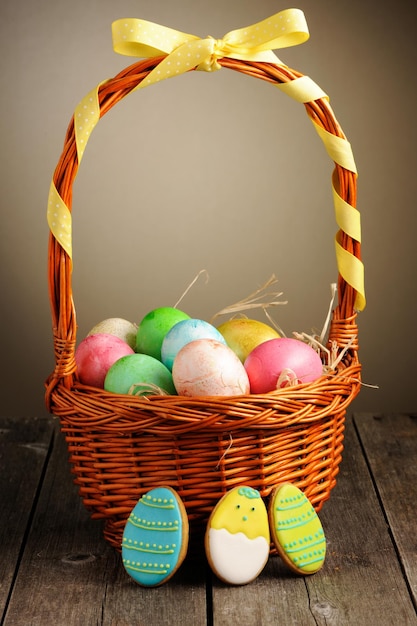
[{"x": 121, "y": 446}]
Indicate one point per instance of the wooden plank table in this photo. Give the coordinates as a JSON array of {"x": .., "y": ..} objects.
[{"x": 56, "y": 569}]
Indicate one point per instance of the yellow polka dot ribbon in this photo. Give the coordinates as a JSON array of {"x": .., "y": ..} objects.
[
  {"x": 86, "y": 116},
  {"x": 59, "y": 219},
  {"x": 184, "y": 52}
]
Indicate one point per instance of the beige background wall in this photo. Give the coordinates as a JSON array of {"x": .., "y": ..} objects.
[{"x": 218, "y": 171}]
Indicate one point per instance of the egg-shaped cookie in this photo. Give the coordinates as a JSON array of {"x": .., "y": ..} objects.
[
  {"x": 155, "y": 537},
  {"x": 237, "y": 538},
  {"x": 296, "y": 529}
]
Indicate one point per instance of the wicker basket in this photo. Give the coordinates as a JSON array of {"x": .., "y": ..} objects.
[{"x": 122, "y": 446}]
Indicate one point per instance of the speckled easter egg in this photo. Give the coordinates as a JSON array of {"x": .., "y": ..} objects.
[
  {"x": 237, "y": 538},
  {"x": 296, "y": 529},
  {"x": 95, "y": 354},
  {"x": 155, "y": 538},
  {"x": 153, "y": 328},
  {"x": 243, "y": 335},
  {"x": 275, "y": 357},
  {"x": 182, "y": 333},
  {"x": 206, "y": 367},
  {"x": 139, "y": 374},
  {"x": 119, "y": 327}
]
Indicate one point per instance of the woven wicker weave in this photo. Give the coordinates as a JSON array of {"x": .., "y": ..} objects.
[{"x": 122, "y": 446}]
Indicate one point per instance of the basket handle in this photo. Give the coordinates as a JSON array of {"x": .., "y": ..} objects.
[{"x": 100, "y": 100}]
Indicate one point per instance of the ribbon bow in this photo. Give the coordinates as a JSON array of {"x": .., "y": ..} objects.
[{"x": 139, "y": 38}]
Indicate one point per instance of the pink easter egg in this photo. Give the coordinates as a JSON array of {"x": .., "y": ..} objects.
[
  {"x": 206, "y": 367},
  {"x": 96, "y": 354},
  {"x": 284, "y": 357}
]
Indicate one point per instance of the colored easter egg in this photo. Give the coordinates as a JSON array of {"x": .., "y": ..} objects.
[
  {"x": 296, "y": 529},
  {"x": 155, "y": 537},
  {"x": 243, "y": 335},
  {"x": 292, "y": 360},
  {"x": 153, "y": 328},
  {"x": 119, "y": 327},
  {"x": 237, "y": 539},
  {"x": 139, "y": 374},
  {"x": 95, "y": 354},
  {"x": 206, "y": 367},
  {"x": 182, "y": 333}
]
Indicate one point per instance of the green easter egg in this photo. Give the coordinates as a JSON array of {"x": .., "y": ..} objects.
[
  {"x": 139, "y": 374},
  {"x": 153, "y": 328}
]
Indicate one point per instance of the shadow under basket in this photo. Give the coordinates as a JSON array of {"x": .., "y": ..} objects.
[{"x": 121, "y": 446}]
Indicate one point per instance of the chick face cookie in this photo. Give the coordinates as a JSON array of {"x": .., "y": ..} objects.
[
  {"x": 237, "y": 538},
  {"x": 296, "y": 529},
  {"x": 155, "y": 538}
]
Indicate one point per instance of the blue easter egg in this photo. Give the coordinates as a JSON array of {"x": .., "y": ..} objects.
[{"x": 184, "y": 332}]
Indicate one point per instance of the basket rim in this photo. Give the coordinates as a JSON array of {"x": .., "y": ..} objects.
[{"x": 298, "y": 406}]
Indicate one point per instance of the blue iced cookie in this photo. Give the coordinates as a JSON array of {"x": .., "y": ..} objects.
[
  {"x": 155, "y": 538},
  {"x": 296, "y": 529}
]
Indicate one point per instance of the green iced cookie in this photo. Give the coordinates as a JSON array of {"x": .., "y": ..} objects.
[{"x": 296, "y": 530}]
